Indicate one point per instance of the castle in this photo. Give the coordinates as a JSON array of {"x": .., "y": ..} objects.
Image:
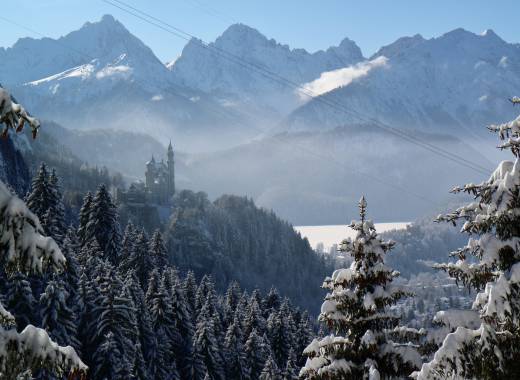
[{"x": 159, "y": 185}]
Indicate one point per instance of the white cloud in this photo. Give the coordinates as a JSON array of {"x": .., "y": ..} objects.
[
  {"x": 503, "y": 62},
  {"x": 330, "y": 80},
  {"x": 157, "y": 98}
]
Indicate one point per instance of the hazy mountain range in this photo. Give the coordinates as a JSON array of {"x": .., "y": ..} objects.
[{"x": 244, "y": 132}]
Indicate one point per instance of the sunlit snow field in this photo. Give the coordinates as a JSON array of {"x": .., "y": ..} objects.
[{"x": 334, "y": 234}]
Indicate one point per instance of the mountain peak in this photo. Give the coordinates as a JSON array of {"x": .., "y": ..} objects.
[
  {"x": 106, "y": 23},
  {"x": 240, "y": 33}
]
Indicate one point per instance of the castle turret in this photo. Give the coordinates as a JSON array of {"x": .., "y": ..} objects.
[
  {"x": 150, "y": 173},
  {"x": 171, "y": 171}
]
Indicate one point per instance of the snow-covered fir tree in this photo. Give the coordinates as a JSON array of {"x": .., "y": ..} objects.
[
  {"x": 270, "y": 370},
  {"x": 356, "y": 310},
  {"x": 23, "y": 248},
  {"x": 489, "y": 263},
  {"x": 103, "y": 224},
  {"x": 256, "y": 354},
  {"x": 140, "y": 259},
  {"x": 158, "y": 250},
  {"x": 84, "y": 217},
  {"x": 234, "y": 355},
  {"x": 58, "y": 319}
]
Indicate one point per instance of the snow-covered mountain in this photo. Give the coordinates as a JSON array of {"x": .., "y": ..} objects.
[
  {"x": 457, "y": 81},
  {"x": 102, "y": 75},
  {"x": 98, "y": 49},
  {"x": 233, "y": 67}
]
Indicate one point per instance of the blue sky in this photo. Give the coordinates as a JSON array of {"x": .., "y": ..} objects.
[{"x": 312, "y": 25}]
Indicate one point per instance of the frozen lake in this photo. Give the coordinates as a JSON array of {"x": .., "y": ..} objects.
[{"x": 330, "y": 235}]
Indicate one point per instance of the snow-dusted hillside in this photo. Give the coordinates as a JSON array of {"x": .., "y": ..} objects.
[
  {"x": 224, "y": 67},
  {"x": 458, "y": 80}
]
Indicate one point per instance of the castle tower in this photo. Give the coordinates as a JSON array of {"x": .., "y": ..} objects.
[
  {"x": 150, "y": 173},
  {"x": 171, "y": 171}
]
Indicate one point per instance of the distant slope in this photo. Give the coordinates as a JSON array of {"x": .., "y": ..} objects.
[
  {"x": 317, "y": 178},
  {"x": 122, "y": 151}
]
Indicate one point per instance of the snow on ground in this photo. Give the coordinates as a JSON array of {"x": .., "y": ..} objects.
[{"x": 334, "y": 234}]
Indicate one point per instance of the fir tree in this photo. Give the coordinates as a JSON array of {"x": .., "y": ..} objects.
[
  {"x": 140, "y": 260},
  {"x": 110, "y": 363},
  {"x": 128, "y": 242},
  {"x": 356, "y": 310},
  {"x": 56, "y": 226},
  {"x": 57, "y": 317},
  {"x": 147, "y": 338},
  {"x": 40, "y": 197},
  {"x": 161, "y": 315},
  {"x": 256, "y": 354},
  {"x": 115, "y": 313},
  {"x": 271, "y": 302},
  {"x": 190, "y": 291},
  {"x": 205, "y": 345},
  {"x": 489, "y": 263},
  {"x": 103, "y": 225},
  {"x": 291, "y": 368},
  {"x": 234, "y": 356},
  {"x": 270, "y": 370},
  {"x": 254, "y": 319},
  {"x": 233, "y": 295},
  {"x": 71, "y": 276},
  {"x": 84, "y": 217},
  {"x": 19, "y": 299},
  {"x": 158, "y": 251}
]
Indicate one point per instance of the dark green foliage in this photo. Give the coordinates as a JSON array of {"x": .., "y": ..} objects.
[
  {"x": 103, "y": 225},
  {"x": 233, "y": 239}
]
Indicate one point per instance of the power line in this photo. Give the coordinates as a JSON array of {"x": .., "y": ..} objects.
[
  {"x": 328, "y": 158},
  {"x": 287, "y": 82}
]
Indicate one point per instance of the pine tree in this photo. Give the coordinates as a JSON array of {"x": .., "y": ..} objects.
[
  {"x": 158, "y": 251},
  {"x": 280, "y": 337},
  {"x": 40, "y": 197},
  {"x": 110, "y": 363},
  {"x": 56, "y": 226},
  {"x": 233, "y": 295},
  {"x": 491, "y": 351},
  {"x": 146, "y": 334},
  {"x": 128, "y": 242},
  {"x": 256, "y": 354},
  {"x": 161, "y": 315},
  {"x": 84, "y": 217},
  {"x": 190, "y": 291},
  {"x": 304, "y": 337},
  {"x": 291, "y": 369},
  {"x": 140, "y": 260},
  {"x": 183, "y": 321},
  {"x": 205, "y": 345},
  {"x": 254, "y": 318},
  {"x": 271, "y": 302},
  {"x": 270, "y": 371},
  {"x": 57, "y": 317},
  {"x": 19, "y": 299},
  {"x": 103, "y": 225},
  {"x": 356, "y": 310},
  {"x": 234, "y": 355},
  {"x": 71, "y": 276},
  {"x": 115, "y": 313}
]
